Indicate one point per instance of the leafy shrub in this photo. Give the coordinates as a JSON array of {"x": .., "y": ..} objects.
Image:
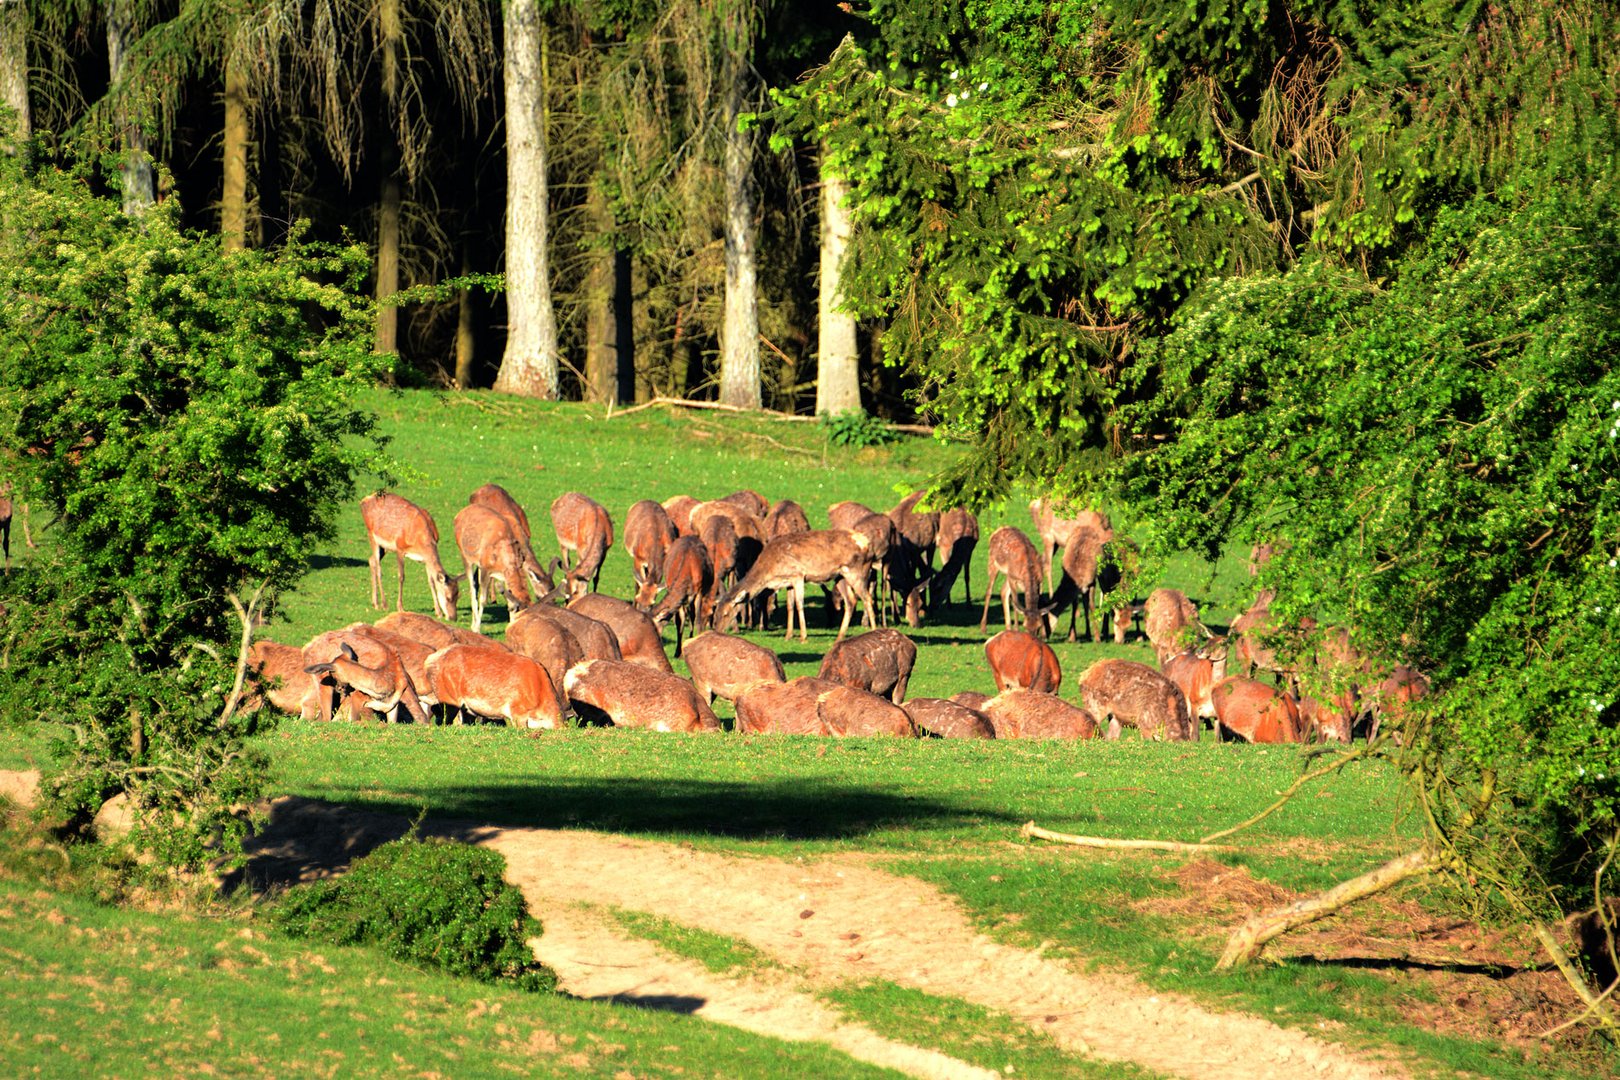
[
  {"x": 857, "y": 428},
  {"x": 434, "y": 904}
]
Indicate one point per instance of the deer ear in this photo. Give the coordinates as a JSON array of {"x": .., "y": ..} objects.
[{"x": 348, "y": 651}]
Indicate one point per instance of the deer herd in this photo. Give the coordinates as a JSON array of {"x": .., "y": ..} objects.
[{"x": 571, "y": 650}]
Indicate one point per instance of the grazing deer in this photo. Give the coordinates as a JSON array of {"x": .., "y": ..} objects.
[
  {"x": 1171, "y": 621},
  {"x": 679, "y": 508},
  {"x": 277, "y": 675},
  {"x": 1055, "y": 532},
  {"x": 595, "y": 639},
  {"x": 1014, "y": 558},
  {"x": 1391, "y": 697},
  {"x": 785, "y": 518},
  {"x": 500, "y": 500},
  {"x": 1022, "y": 661},
  {"x": 489, "y": 551},
  {"x": 648, "y": 533},
  {"x": 1134, "y": 695},
  {"x": 1260, "y": 642},
  {"x": 944, "y": 719},
  {"x": 1194, "y": 672},
  {"x": 495, "y": 684},
  {"x": 818, "y": 556},
  {"x": 811, "y": 706},
  {"x": 750, "y": 501},
  {"x": 879, "y": 662},
  {"x": 431, "y": 632},
  {"x": 634, "y": 630},
  {"x": 1254, "y": 712},
  {"x": 884, "y": 544},
  {"x": 719, "y": 539},
  {"x": 1333, "y": 677},
  {"x": 956, "y": 539},
  {"x": 548, "y": 643},
  {"x": 1118, "y": 565},
  {"x": 917, "y": 532},
  {"x": 412, "y": 653},
  {"x": 584, "y": 528},
  {"x": 1030, "y": 714},
  {"x": 396, "y": 524},
  {"x": 628, "y": 695},
  {"x": 1079, "y": 587},
  {"x": 689, "y": 586},
  {"x": 386, "y": 684},
  {"x": 326, "y": 647},
  {"x": 727, "y": 666},
  {"x": 844, "y": 515}
]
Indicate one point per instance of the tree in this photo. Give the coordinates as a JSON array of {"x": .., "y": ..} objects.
[
  {"x": 137, "y": 178},
  {"x": 739, "y": 332},
  {"x": 186, "y": 416},
  {"x": 14, "y": 73},
  {"x": 530, "y": 364},
  {"x": 838, "y": 387}
]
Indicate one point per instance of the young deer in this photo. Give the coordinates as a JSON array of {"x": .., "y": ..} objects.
[
  {"x": 944, "y": 719},
  {"x": 500, "y": 500},
  {"x": 489, "y": 551},
  {"x": 648, "y": 533},
  {"x": 585, "y": 529},
  {"x": 787, "y": 563},
  {"x": 689, "y": 588},
  {"x": 1014, "y": 558},
  {"x": 396, "y": 524}
]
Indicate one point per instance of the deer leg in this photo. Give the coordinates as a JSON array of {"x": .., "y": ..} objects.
[
  {"x": 798, "y": 601},
  {"x": 399, "y": 595},
  {"x": 479, "y": 582},
  {"x": 376, "y": 573},
  {"x": 849, "y": 609},
  {"x": 1048, "y": 549},
  {"x": 984, "y": 617}
]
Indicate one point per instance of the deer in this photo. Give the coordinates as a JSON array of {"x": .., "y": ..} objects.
[
  {"x": 1118, "y": 565},
  {"x": 1055, "y": 532},
  {"x": 277, "y": 675},
  {"x": 394, "y": 523},
  {"x": 789, "y": 562},
  {"x": 719, "y": 540},
  {"x": 814, "y": 706},
  {"x": 628, "y": 695},
  {"x": 1254, "y": 712},
  {"x": 1015, "y": 559},
  {"x": 584, "y": 528},
  {"x": 955, "y": 539},
  {"x": 1170, "y": 620},
  {"x": 884, "y": 544},
  {"x": 595, "y": 639},
  {"x": 1030, "y": 714},
  {"x": 548, "y": 643},
  {"x": 943, "y": 719},
  {"x": 1134, "y": 695},
  {"x": 495, "y": 684},
  {"x": 917, "y": 532},
  {"x": 878, "y": 661},
  {"x": 490, "y": 552},
  {"x": 785, "y": 518},
  {"x": 1022, "y": 661},
  {"x": 385, "y": 683},
  {"x": 751, "y": 501},
  {"x": 411, "y": 653},
  {"x": 1079, "y": 586},
  {"x": 689, "y": 587},
  {"x": 1194, "y": 672},
  {"x": 500, "y": 500},
  {"x": 1391, "y": 697},
  {"x": 648, "y": 533},
  {"x": 679, "y": 508},
  {"x": 634, "y": 630},
  {"x": 726, "y": 666},
  {"x": 431, "y": 632}
]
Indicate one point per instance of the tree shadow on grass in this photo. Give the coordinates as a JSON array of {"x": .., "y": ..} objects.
[
  {"x": 331, "y": 562},
  {"x": 305, "y": 839}
]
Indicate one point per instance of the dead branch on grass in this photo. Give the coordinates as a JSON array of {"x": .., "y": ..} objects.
[{"x": 1032, "y": 831}]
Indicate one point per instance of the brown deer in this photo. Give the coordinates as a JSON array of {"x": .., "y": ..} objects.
[
  {"x": 1333, "y": 677},
  {"x": 789, "y": 562},
  {"x": 884, "y": 544},
  {"x": 1030, "y": 714},
  {"x": 811, "y": 706},
  {"x": 679, "y": 508},
  {"x": 595, "y": 639},
  {"x": 1078, "y": 589},
  {"x": 1118, "y": 565},
  {"x": 385, "y": 683},
  {"x": 276, "y": 673},
  {"x": 917, "y": 532},
  {"x": 785, "y": 518},
  {"x": 628, "y": 695},
  {"x": 500, "y": 500},
  {"x": 1015, "y": 559},
  {"x": 689, "y": 587},
  {"x": 1055, "y": 532},
  {"x": 751, "y": 501},
  {"x": 727, "y": 666},
  {"x": 878, "y": 661},
  {"x": 396, "y": 524},
  {"x": 1022, "y": 661},
  {"x": 634, "y": 630},
  {"x": 326, "y": 647},
  {"x": 411, "y": 653},
  {"x": 1134, "y": 695},
  {"x": 648, "y": 533},
  {"x": 431, "y": 632},
  {"x": 495, "y": 684},
  {"x": 972, "y": 699},
  {"x": 1392, "y": 696},
  {"x": 1171, "y": 621},
  {"x": 1194, "y": 672},
  {"x": 1254, "y": 712},
  {"x": 944, "y": 719},
  {"x": 844, "y": 515},
  {"x": 583, "y": 528},
  {"x": 955, "y": 540},
  {"x": 490, "y": 552},
  {"x": 548, "y": 643},
  {"x": 719, "y": 539}
]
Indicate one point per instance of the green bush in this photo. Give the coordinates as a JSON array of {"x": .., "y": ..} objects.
[
  {"x": 434, "y": 904},
  {"x": 856, "y": 428}
]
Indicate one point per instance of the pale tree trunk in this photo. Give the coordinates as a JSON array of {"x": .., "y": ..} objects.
[
  {"x": 838, "y": 386},
  {"x": 392, "y": 32},
  {"x": 601, "y": 350},
  {"x": 739, "y": 334},
  {"x": 140, "y": 190},
  {"x": 14, "y": 74},
  {"x": 529, "y": 366},
  {"x": 233, "y": 195},
  {"x": 466, "y": 341}
]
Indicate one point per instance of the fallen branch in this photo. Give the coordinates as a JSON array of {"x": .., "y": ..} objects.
[
  {"x": 1033, "y": 831},
  {"x": 770, "y": 414}
]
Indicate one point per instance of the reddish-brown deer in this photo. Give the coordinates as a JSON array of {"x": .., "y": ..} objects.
[
  {"x": 495, "y": 684},
  {"x": 277, "y": 675},
  {"x": 727, "y": 666},
  {"x": 689, "y": 587},
  {"x": 1030, "y": 714},
  {"x": 1055, "y": 532},
  {"x": 917, "y": 532},
  {"x": 394, "y": 523},
  {"x": 1194, "y": 672},
  {"x": 878, "y": 661},
  {"x": 635, "y": 631},
  {"x": 1254, "y": 712},
  {"x": 679, "y": 508},
  {"x": 1081, "y": 564},
  {"x": 431, "y": 632},
  {"x": 595, "y": 639},
  {"x": 944, "y": 719},
  {"x": 648, "y": 533},
  {"x": 785, "y": 518},
  {"x": 1171, "y": 621},
  {"x": 811, "y": 706},
  {"x": 789, "y": 562},
  {"x": 490, "y": 552},
  {"x": 956, "y": 540},
  {"x": 7, "y": 506},
  {"x": 583, "y": 528},
  {"x": 1136, "y": 696},
  {"x": 548, "y": 643},
  {"x": 385, "y": 682},
  {"x": 1015, "y": 560},
  {"x": 1022, "y": 661},
  {"x": 751, "y": 501},
  {"x": 628, "y": 695},
  {"x": 500, "y": 500}
]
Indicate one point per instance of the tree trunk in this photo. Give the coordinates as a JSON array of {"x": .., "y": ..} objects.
[
  {"x": 739, "y": 334},
  {"x": 601, "y": 350},
  {"x": 624, "y": 325},
  {"x": 392, "y": 32},
  {"x": 139, "y": 188},
  {"x": 838, "y": 386},
  {"x": 645, "y": 343},
  {"x": 466, "y": 340},
  {"x": 233, "y": 195},
  {"x": 14, "y": 76},
  {"x": 529, "y": 367}
]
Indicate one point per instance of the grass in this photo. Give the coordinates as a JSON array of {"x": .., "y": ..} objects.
[{"x": 719, "y": 953}]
